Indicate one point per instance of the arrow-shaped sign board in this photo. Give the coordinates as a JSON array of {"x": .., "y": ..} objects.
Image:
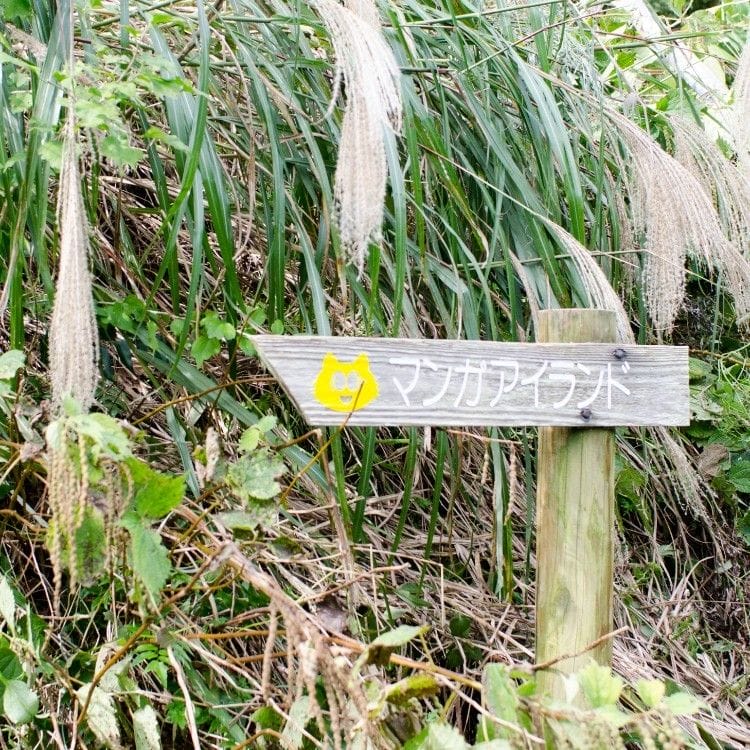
[{"x": 380, "y": 382}]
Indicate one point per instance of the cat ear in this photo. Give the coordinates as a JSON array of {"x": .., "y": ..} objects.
[
  {"x": 329, "y": 360},
  {"x": 361, "y": 361}
]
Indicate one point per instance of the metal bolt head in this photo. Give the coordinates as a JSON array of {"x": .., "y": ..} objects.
[
  {"x": 619, "y": 353},
  {"x": 585, "y": 414}
]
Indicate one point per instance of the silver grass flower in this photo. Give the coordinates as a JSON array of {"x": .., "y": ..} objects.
[
  {"x": 373, "y": 111},
  {"x": 73, "y": 337}
]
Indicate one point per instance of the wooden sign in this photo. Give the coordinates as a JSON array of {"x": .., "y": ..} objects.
[{"x": 368, "y": 381}]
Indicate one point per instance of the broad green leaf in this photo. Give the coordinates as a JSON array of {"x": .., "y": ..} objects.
[
  {"x": 108, "y": 435},
  {"x": 101, "y": 716},
  {"x": 12, "y": 9},
  {"x": 10, "y": 666},
  {"x": 149, "y": 556},
  {"x": 216, "y": 328},
  {"x": 418, "y": 685},
  {"x": 122, "y": 154},
  {"x": 739, "y": 475},
  {"x": 10, "y": 363},
  {"x": 20, "y": 703},
  {"x": 256, "y": 475},
  {"x": 501, "y": 699},
  {"x": 743, "y": 527},
  {"x": 650, "y": 692},
  {"x": 155, "y": 493},
  {"x": 157, "y": 134},
  {"x": 204, "y": 348},
  {"x": 599, "y": 685},
  {"x": 7, "y": 603},
  {"x": 266, "y": 423},
  {"x": 249, "y": 440},
  {"x": 146, "y": 729},
  {"x": 682, "y": 704}
]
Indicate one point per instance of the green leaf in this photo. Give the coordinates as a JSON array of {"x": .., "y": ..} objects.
[
  {"x": 277, "y": 327},
  {"x": 20, "y": 9},
  {"x": 10, "y": 667},
  {"x": 501, "y": 699},
  {"x": 157, "y": 134},
  {"x": 612, "y": 715},
  {"x": 10, "y": 363},
  {"x": 743, "y": 527},
  {"x": 20, "y": 703},
  {"x": 256, "y": 475},
  {"x": 155, "y": 493},
  {"x": 107, "y": 434},
  {"x": 204, "y": 348},
  {"x": 682, "y": 704},
  {"x": 599, "y": 685},
  {"x": 739, "y": 475},
  {"x": 650, "y": 692},
  {"x": 7, "y": 603},
  {"x": 380, "y": 650},
  {"x": 216, "y": 328},
  {"x": 266, "y": 423},
  {"x": 249, "y": 440},
  {"x": 122, "y": 154},
  {"x": 149, "y": 556}
]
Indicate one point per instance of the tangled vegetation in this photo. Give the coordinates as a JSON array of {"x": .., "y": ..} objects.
[{"x": 185, "y": 564}]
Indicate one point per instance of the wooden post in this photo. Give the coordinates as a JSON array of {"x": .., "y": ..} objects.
[{"x": 575, "y": 522}]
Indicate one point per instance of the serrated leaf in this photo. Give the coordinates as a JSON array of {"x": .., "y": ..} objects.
[
  {"x": 739, "y": 475},
  {"x": 204, "y": 348},
  {"x": 682, "y": 704},
  {"x": 20, "y": 702},
  {"x": 249, "y": 440},
  {"x": 101, "y": 716},
  {"x": 7, "y": 603},
  {"x": 419, "y": 685},
  {"x": 599, "y": 685},
  {"x": 650, "y": 692},
  {"x": 10, "y": 363},
  {"x": 149, "y": 556},
  {"x": 107, "y": 434},
  {"x": 255, "y": 476},
  {"x": 146, "y": 729},
  {"x": 122, "y": 154},
  {"x": 155, "y": 493},
  {"x": 216, "y": 328}
]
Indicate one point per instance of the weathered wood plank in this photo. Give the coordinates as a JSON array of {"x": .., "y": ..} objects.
[
  {"x": 575, "y": 525},
  {"x": 369, "y": 381}
]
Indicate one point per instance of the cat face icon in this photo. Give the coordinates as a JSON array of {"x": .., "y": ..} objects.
[{"x": 345, "y": 386}]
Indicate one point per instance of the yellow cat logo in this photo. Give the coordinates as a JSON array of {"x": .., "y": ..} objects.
[{"x": 345, "y": 386}]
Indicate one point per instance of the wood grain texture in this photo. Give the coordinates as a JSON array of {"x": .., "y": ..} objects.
[
  {"x": 575, "y": 526},
  {"x": 462, "y": 383}
]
